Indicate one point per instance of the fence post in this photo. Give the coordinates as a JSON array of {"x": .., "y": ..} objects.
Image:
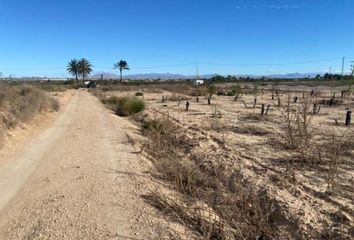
[
  {"x": 348, "y": 118},
  {"x": 266, "y": 112},
  {"x": 331, "y": 102},
  {"x": 262, "y": 109},
  {"x": 255, "y": 102}
]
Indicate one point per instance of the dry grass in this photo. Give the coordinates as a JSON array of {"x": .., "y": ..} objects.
[
  {"x": 238, "y": 210},
  {"x": 19, "y": 104}
]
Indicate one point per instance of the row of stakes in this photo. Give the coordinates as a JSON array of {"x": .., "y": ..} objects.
[{"x": 264, "y": 110}]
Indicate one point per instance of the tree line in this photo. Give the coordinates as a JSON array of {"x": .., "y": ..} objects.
[
  {"x": 83, "y": 68},
  {"x": 326, "y": 76}
]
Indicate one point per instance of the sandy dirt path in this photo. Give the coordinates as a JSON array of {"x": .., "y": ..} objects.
[{"x": 78, "y": 179}]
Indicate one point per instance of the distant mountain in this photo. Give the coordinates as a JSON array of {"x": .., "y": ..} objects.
[
  {"x": 171, "y": 76},
  {"x": 293, "y": 75},
  {"x": 154, "y": 76},
  {"x": 105, "y": 75},
  {"x": 148, "y": 76}
]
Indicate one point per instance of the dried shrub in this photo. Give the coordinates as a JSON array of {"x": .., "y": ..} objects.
[
  {"x": 251, "y": 130},
  {"x": 201, "y": 90},
  {"x": 21, "y": 103},
  {"x": 296, "y": 124},
  {"x": 240, "y": 211},
  {"x": 175, "y": 97},
  {"x": 221, "y": 92}
]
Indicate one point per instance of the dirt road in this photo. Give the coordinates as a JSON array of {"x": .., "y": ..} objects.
[{"x": 78, "y": 179}]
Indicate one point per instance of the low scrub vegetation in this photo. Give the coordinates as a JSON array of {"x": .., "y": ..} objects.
[
  {"x": 238, "y": 168},
  {"x": 297, "y": 124},
  {"x": 21, "y": 103},
  {"x": 124, "y": 106},
  {"x": 215, "y": 203}
]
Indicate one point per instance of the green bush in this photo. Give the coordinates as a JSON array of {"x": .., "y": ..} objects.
[
  {"x": 139, "y": 94},
  {"x": 231, "y": 93},
  {"x": 211, "y": 89},
  {"x": 124, "y": 106},
  {"x": 133, "y": 105},
  {"x": 235, "y": 90}
]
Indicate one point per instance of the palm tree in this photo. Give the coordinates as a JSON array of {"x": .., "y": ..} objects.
[
  {"x": 73, "y": 68},
  {"x": 84, "y": 68},
  {"x": 121, "y": 65}
]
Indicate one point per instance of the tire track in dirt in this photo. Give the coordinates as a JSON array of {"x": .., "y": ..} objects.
[{"x": 16, "y": 171}]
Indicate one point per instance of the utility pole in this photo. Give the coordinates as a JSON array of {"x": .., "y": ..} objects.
[
  {"x": 197, "y": 70},
  {"x": 343, "y": 59}
]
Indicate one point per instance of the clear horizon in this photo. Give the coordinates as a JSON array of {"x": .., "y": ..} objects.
[{"x": 256, "y": 37}]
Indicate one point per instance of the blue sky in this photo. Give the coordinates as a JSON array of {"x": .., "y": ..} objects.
[{"x": 39, "y": 37}]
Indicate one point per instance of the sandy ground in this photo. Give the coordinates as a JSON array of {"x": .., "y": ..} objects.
[
  {"x": 242, "y": 134},
  {"x": 77, "y": 177}
]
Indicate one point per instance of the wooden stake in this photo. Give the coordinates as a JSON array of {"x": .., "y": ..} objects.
[
  {"x": 262, "y": 109},
  {"x": 266, "y": 112},
  {"x": 348, "y": 118},
  {"x": 255, "y": 102}
]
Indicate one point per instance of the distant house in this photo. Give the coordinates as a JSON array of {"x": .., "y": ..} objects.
[{"x": 198, "y": 82}]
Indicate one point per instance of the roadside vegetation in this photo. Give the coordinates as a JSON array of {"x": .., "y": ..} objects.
[
  {"x": 20, "y": 103},
  {"x": 124, "y": 106},
  {"x": 213, "y": 202}
]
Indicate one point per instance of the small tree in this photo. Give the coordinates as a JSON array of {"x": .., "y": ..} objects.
[
  {"x": 211, "y": 90},
  {"x": 121, "y": 65},
  {"x": 236, "y": 89}
]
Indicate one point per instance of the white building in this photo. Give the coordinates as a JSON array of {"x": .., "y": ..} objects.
[{"x": 198, "y": 82}]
